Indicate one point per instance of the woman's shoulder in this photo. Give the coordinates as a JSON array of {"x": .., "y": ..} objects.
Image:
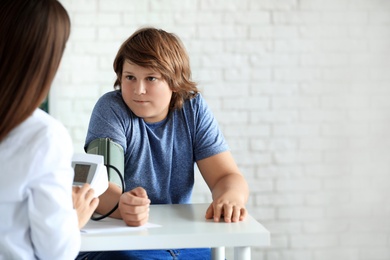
[
  {"x": 44, "y": 123},
  {"x": 48, "y": 127},
  {"x": 40, "y": 130}
]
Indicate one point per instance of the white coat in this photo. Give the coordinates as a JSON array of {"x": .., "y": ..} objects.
[{"x": 37, "y": 219}]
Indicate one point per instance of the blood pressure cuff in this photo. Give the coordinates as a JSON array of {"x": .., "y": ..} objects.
[{"x": 113, "y": 156}]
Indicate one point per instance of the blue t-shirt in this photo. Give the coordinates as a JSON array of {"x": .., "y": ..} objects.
[{"x": 159, "y": 156}]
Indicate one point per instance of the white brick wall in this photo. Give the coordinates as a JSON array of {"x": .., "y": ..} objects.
[{"x": 301, "y": 89}]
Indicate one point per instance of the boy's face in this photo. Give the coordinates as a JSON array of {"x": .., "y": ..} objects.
[{"x": 145, "y": 92}]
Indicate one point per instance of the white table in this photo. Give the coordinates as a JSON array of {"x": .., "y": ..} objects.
[{"x": 184, "y": 226}]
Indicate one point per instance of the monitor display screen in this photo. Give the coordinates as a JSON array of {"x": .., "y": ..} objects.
[{"x": 81, "y": 172}]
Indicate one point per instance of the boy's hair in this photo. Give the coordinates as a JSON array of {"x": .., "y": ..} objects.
[
  {"x": 33, "y": 37},
  {"x": 163, "y": 52}
]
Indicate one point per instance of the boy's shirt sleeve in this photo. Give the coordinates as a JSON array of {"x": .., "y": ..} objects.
[
  {"x": 109, "y": 119},
  {"x": 209, "y": 139}
]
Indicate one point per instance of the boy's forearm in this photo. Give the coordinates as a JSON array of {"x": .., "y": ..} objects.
[
  {"x": 108, "y": 200},
  {"x": 232, "y": 182}
]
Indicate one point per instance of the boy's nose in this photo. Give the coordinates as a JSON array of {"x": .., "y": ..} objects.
[{"x": 139, "y": 88}]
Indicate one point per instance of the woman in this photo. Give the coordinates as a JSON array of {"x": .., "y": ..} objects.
[{"x": 37, "y": 219}]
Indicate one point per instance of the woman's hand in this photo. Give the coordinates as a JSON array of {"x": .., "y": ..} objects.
[{"x": 84, "y": 202}]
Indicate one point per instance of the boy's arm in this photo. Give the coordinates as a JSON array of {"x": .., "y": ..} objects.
[
  {"x": 133, "y": 205},
  {"x": 229, "y": 189},
  {"x": 109, "y": 199}
]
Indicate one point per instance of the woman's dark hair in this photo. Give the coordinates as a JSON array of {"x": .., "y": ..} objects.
[{"x": 33, "y": 38}]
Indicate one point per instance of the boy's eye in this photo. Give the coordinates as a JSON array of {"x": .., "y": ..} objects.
[
  {"x": 151, "y": 78},
  {"x": 129, "y": 77}
]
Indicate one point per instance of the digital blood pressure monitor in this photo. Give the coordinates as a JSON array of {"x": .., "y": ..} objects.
[{"x": 90, "y": 168}]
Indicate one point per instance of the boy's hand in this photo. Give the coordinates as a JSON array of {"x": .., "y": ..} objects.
[
  {"x": 228, "y": 210},
  {"x": 134, "y": 207}
]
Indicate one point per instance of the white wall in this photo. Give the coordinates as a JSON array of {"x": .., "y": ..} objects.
[{"x": 301, "y": 89}]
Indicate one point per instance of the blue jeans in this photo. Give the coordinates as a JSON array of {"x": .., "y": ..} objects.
[{"x": 173, "y": 254}]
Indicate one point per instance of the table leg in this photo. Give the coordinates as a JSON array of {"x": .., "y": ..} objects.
[
  {"x": 218, "y": 253},
  {"x": 242, "y": 253}
]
